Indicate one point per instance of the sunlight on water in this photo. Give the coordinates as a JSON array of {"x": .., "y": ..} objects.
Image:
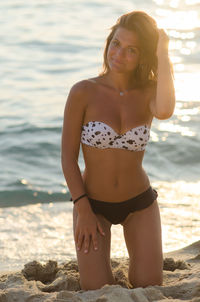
[
  {"x": 192, "y": 2},
  {"x": 44, "y": 231},
  {"x": 187, "y": 86},
  {"x": 185, "y": 115},
  {"x": 154, "y": 136},
  {"x": 184, "y": 131},
  {"x": 181, "y": 21},
  {"x": 178, "y": 19},
  {"x": 24, "y": 181}
]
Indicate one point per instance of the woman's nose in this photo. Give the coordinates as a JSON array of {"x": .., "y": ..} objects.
[{"x": 120, "y": 52}]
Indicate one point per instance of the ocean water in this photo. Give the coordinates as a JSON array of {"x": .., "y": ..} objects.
[{"x": 47, "y": 46}]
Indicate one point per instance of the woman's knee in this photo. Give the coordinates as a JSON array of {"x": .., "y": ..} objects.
[
  {"x": 96, "y": 283},
  {"x": 145, "y": 280}
]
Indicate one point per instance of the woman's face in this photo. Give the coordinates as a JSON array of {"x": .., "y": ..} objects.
[{"x": 123, "y": 51}]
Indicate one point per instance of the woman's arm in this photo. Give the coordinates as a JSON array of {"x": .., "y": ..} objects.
[
  {"x": 72, "y": 124},
  {"x": 162, "y": 105},
  {"x": 87, "y": 223}
]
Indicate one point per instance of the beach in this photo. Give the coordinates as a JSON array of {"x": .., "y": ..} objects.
[
  {"x": 46, "y": 47},
  {"x": 52, "y": 282}
]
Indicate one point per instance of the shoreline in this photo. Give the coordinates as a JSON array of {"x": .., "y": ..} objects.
[{"x": 53, "y": 282}]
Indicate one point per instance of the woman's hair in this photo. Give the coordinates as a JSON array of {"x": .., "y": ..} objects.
[{"x": 146, "y": 29}]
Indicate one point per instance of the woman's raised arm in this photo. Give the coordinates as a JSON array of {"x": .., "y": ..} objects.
[{"x": 163, "y": 103}]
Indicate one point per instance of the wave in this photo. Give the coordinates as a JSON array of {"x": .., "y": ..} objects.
[
  {"x": 17, "y": 198},
  {"x": 28, "y": 128}
]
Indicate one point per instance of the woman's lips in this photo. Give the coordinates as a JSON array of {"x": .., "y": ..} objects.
[{"x": 117, "y": 62}]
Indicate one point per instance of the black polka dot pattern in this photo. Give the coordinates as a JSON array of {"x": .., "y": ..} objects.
[{"x": 100, "y": 135}]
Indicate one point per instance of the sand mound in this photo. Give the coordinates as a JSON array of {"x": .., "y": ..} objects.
[{"x": 53, "y": 282}]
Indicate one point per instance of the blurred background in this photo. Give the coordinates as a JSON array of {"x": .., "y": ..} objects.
[{"x": 46, "y": 47}]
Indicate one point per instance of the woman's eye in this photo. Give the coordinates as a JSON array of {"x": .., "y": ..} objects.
[
  {"x": 115, "y": 43},
  {"x": 131, "y": 50}
]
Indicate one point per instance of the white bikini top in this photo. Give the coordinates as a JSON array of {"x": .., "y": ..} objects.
[{"x": 100, "y": 135}]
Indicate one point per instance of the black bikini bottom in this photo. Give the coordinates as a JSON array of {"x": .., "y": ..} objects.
[{"x": 116, "y": 212}]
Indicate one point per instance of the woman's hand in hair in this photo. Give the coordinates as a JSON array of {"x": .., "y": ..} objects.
[{"x": 163, "y": 42}]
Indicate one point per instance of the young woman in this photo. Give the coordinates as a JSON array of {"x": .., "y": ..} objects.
[{"x": 111, "y": 116}]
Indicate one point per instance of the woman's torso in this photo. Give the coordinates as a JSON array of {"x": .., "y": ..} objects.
[{"x": 115, "y": 174}]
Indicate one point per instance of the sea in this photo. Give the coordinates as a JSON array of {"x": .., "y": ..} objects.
[{"x": 46, "y": 47}]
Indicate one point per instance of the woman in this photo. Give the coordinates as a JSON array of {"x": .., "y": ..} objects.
[{"x": 111, "y": 116}]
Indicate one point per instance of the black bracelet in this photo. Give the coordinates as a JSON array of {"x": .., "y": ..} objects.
[{"x": 79, "y": 198}]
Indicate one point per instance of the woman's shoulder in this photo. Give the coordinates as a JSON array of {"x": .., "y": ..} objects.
[
  {"x": 83, "y": 86},
  {"x": 80, "y": 93}
]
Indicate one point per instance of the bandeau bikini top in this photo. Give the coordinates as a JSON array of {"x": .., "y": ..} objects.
[{"x": 100, "y": 135}]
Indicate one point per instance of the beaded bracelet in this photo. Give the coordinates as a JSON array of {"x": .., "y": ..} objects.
[{"x": 79, "y": 198}]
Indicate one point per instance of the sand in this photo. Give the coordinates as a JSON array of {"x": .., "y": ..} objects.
[{"x": 52, "y": 282}]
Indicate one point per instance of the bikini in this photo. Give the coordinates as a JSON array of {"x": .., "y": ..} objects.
[{"x": 99, "y": 135}]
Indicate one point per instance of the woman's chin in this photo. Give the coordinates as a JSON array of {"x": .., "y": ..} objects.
[{"x": 118, "y": 69}]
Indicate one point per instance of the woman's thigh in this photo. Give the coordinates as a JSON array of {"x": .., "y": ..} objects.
[
  {"x": 143, "y": 236},
  {"x": 94, "y": 267}
]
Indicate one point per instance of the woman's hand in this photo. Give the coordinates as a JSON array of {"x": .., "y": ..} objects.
[
  {"x": 87, "y": 226},
  {"x": 163, "y": 42}
]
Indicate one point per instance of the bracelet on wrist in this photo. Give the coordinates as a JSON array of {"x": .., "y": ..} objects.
[{"x": 75, "y": 200}]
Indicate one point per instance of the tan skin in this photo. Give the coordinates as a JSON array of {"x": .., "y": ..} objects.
[{"x": 111, "y": 175}]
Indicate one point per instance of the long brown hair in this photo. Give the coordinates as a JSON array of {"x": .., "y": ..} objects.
[{"x": 146, "y": 29}]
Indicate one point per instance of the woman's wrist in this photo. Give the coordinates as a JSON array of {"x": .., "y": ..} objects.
[
  {"x": 78, "y": 198},
  {"x": 82, "y": 205},
  {"x": 163, "y": 54}
]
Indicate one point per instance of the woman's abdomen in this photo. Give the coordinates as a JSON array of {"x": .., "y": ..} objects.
[{"x": 114, "y": 176}]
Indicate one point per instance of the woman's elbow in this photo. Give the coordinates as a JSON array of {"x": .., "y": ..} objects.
[{"x": 164, "y": 115}]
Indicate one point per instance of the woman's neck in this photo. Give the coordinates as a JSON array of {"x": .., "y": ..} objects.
[{"x": 120, "y": 82}]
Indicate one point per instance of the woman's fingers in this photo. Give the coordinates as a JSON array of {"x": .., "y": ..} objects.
[
  {"x": 94, "y": 237},
  {"x": 83, "y": 236},
  {"x": 94, "y": 241},
  {"x": 80, "y": 241},
  {"x": 100, "y": 229},
  {"x": 86, "y": 243}
]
